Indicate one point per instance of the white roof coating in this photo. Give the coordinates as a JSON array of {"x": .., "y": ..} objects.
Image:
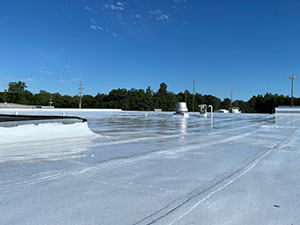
[{"x": 155, "y": 168}]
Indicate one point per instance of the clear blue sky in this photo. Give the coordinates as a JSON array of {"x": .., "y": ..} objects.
[{"x": 249, "y": 46}]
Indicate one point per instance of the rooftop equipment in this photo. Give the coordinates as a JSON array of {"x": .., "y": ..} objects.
[
  {"x": 181, "y": 109},
  {"x": 234, "y": 110},
  {"x": 211, "y": 110},
  {"x": 203, "y": 110}
]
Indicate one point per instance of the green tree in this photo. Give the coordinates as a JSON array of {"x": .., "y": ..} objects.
[
  {"x": 212, "y": 100},
  {"x": 17, "y": 86},
  {"x": 88, "y": 101},
  {"x": 100, "y": 100},
  {"x": 16, "y": 92},
  {"x": 42, "y": 98},
  {"x": 134, "y": 99},
  {"x": 164, "y": 99},
  {"x": 226, "y": 103},
  {"x": 243, "y": 106}
]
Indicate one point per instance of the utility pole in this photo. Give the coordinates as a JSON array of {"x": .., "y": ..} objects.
[
  {"x": 185, "y": 92},
  {"x": 50, "y": 101},
  {"x": 80, "y": 94},
  {"x": 292, "y": 78},
  {"x": 231, "y": 99},
  {"x": 194, "y": 95}
]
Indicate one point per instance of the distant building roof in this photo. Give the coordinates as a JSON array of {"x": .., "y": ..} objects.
[
  {"x": 288, "y": 109},
  {"x": 222, "y": 111},
  {"x": 16, "y": 106}
]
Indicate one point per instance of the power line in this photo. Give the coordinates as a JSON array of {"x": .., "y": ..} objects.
[{"x": 292, "y": 78}]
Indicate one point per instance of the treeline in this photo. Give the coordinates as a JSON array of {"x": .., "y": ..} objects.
[{"x": 140, "y": 99}]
